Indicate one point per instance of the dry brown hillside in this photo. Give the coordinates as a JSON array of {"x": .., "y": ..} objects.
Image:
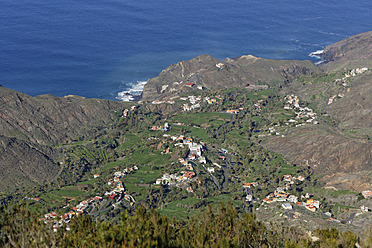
[{"x": 340, "y": 147}]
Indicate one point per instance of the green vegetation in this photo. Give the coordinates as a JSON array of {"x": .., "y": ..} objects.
[
  {"x": 234, "y": 155},
  {"x": 222, "y": 227}
]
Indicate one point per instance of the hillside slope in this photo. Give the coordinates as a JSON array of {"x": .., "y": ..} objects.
[
  {"x": 50, "y": 120},
  {"x": 31, "y": 126},
  {"x": 340, "y": 147},
  {"x": 24, "y": 164},
  {"x": 238, "y": 72}
]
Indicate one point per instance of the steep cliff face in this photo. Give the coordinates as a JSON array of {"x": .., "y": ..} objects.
[
  {"x": 214, "y": 74},
  {"x": 48, "y": 119},
  {"x": 353, "y": 48}
]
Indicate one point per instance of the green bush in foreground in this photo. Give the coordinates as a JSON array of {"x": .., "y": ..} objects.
[{"x": 214, "y": 228}]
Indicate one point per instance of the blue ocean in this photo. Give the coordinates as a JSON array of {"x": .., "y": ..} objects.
[{"x": 100, "y": 49}]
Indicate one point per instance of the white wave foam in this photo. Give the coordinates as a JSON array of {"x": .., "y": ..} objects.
[
  {"x": 316, "y": 54},
  {"x": 131, "y": 94},
  {"x": 330, "y": 33}
]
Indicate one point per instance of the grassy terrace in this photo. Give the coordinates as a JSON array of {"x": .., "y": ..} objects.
[
  {"x": 196, "y": 132},
  {"x": 139, "y": 146},
  {"x": 58, "y": 197},
  {"x": 330, "y": 192},
  {"x": 206, "y": 120},
  {"x": 176, "y": 208}
]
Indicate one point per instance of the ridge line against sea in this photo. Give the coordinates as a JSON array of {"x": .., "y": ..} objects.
[
  {"x": 134, "y": 92},
  {"x": 104, "y": 49}
]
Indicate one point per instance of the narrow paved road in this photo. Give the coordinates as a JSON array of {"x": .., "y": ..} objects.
[
  {"x": 223, "y": 125},
  {"x": 226, "y": 171}
]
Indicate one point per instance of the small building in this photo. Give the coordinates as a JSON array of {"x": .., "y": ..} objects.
[
  {"x": 287, "y": 206},
  {"x": 203, "y": 160},
  {"x": 311, "y": 208},
  {"x": 367, "y": 193},
  {"x": 190, "y": 85},
  {"x": 247, "y": 185},
  {"x": 364, "y": 209},
  {"x": 300, "y": 178},
  {"x": 248, "y": 198},
  {"x": 220, "y": 65},
  {"x": 189, "y": 190},
  {"x": 292, "y": 198},
  {"x": 189, "y": 174},
  {"x": 192, "y": 156},
  {"x": 112, "y": 196}
]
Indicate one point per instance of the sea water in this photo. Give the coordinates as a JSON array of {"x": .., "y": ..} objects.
[{"x": 105, "y": 49}]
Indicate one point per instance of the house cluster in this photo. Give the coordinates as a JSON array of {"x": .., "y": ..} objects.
[
  {"x": 173, "y": 179},
  {"x": 196, "y": 100},
  {"x": 117, "y": 187},
  {"x": 194, "y": 149},
  {"x": 117, "y": 192},
  {"x": 355, "y": 72},
  {"x": 367, "y": 193},
  {"x": 310, "y": 204},
  {"x": 233, "y": 111},
  {"x": 363, "y": 209},
  {"x": 194, "y": 154},
  {"x": 332, "y": 98},
  {"x": 290, "y": 179},
  {"x": 280, "y": 195},
  {"x": 58, "y": 221},
  {"x": 194, "y": 103},
  {"x": 258, "y": 105},
  {"x": 126, "y": 111},
  {"x": 247, "y": 187},
  {"x": 293, "y": 102},
  {"x": 161, "y": 102},
  {"x": 210, "y": 100},
  {"x": 352, "y": 73},
  {"x": 166, "y": 127}
]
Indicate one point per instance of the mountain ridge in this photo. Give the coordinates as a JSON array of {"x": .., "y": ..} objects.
[{"x": 213, "y": 74}]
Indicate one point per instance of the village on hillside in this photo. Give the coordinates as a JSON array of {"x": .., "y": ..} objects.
[{"x": 215, "y": 161}]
